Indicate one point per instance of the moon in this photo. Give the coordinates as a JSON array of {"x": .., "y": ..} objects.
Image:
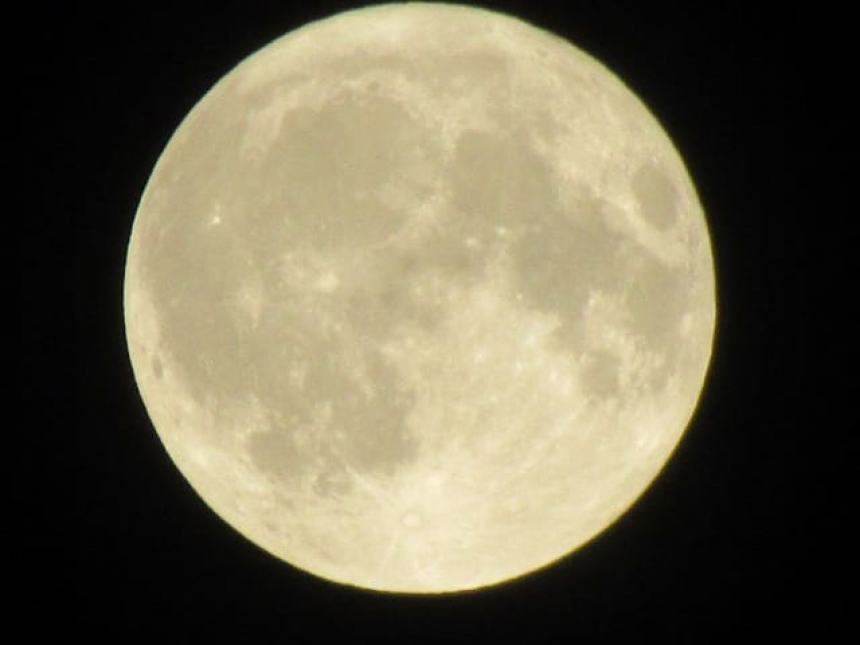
[{"x": 420, "y": 298}]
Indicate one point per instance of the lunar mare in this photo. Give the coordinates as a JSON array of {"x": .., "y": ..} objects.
[{"x": 420, "y": 298}]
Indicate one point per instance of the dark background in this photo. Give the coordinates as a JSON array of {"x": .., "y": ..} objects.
[{"x": 718, "y": 547}]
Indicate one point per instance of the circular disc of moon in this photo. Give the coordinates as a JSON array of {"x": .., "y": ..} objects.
[{"x": 420, "y": 298}]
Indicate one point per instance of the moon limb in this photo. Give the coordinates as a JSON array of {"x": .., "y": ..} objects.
[{"x": 376, "y": 365}]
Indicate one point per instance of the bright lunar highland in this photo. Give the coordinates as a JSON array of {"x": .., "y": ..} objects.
[{"x": 420, "y": 298}]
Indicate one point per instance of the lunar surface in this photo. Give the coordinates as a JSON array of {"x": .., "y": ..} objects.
[{"x": 420, "y": 298}]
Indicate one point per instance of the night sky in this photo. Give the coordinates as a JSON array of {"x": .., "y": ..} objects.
[{"x": 716, "y": 548}]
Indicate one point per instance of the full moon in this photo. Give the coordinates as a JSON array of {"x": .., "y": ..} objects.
[{"x": 420, "y": 298}]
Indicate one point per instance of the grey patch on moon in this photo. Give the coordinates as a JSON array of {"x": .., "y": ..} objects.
[
  {"x": 657, "y": 196},
  {"x": 597, "y": 259},
  {"x": 498, "y": 180},
  {"x": 580, "y": 241},
  {"x": 318, "y": 417},
  {"x": 156, "y": 367},
  {"x": 600, "y": 373},
  {"x": 657, "y": 298},
  {"x": 341, "y": 155}
]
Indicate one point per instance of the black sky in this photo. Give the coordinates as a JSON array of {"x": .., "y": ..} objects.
[{"x": 715, "y": 549}]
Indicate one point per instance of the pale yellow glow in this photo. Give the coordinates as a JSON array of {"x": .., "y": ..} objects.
[{"x": 420, "y": 298}]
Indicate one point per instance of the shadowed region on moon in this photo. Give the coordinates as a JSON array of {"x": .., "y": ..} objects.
[{"x": 419, "y": 312}]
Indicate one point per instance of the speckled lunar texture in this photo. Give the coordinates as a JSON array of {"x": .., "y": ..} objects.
[{"x": 420, "y": 298}]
